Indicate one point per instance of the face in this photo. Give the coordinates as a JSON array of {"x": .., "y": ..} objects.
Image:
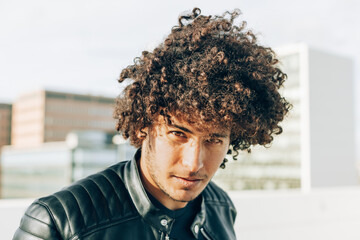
[{"x": 177, "y": 161}]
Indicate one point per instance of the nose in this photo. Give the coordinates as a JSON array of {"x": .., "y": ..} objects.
[{"x": 193, "y": 157}]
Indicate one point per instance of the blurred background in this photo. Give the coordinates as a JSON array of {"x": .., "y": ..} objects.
[{"x": 59, "y": 65}]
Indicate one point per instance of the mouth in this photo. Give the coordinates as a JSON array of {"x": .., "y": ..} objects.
[{"x": 188, "y": 182}]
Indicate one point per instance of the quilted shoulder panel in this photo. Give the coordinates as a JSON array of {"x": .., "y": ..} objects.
[
  {"x": 94, "y": 202},
  {"x": 37, "y": 223}
]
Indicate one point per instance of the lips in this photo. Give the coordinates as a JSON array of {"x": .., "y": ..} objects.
[
  {"x": 190, "y": 178},
  {"x": 187, "y": 182}
]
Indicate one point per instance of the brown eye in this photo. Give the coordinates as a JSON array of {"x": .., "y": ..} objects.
[
  {"x": 214, "y": 141},
  {"x": 178, "y": 134}
]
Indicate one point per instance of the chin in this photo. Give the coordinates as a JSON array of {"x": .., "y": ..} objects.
[{"x": 187, "y": 196}]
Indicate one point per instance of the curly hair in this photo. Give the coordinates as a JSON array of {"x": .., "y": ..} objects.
[{"x": 210, "y": 72}]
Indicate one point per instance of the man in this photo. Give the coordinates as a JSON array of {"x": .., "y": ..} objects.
[{"x": 207, "y": 91}]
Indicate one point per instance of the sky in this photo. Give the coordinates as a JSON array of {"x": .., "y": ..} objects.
[{"x": 82, "y": 45}]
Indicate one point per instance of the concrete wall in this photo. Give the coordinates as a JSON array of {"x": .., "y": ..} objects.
[
  {"x": 330, "y": 214},
  {"x": 332, "y": 120}
]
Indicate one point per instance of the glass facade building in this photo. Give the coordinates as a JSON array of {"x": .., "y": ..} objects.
[
  {"x": 307, "y": 153},
  {"x": 38, "y": 171}
]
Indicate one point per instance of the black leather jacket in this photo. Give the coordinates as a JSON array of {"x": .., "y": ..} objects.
[{"x": 113, "y": 204}]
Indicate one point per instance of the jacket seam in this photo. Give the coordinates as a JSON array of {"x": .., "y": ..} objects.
[
  {"x": 66, "y": 212},
  {"x": 111, "y": 184},
  {"x": 29, "y": 216},
  {"x": 75, "y": 235},
  {"x": 103, "y": 226},
  {"x": 78, "y": 204},
  {"x": 51, "y": 214},
  {"x": 30, "y": 232},
  {"x": 107, "y": 211},
  {"x": 91, "y": 199}
]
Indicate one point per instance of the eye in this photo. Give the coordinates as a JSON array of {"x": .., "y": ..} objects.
[
  {"x": 178, "y": 134},
  {"x": 214, "y": 141}
]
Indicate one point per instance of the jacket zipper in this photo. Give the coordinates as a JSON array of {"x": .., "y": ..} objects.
[
  {"x": 205, "y": 234},
  {"x": 164, "y": 236}
]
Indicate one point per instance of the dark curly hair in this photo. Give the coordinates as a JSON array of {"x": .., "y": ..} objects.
[{"x": 210, "y": 72}]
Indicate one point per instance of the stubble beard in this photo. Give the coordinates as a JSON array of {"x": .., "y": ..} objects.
[
  {"x": 150, "y": 160},
  {"x": 162, "y": 188}
]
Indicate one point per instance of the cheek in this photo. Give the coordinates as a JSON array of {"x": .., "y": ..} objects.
[
  {"x": 165, "y": 153},
  {"x": 214, "y": 160}
]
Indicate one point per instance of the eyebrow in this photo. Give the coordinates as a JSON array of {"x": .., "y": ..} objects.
[
  {"x": 182, "y": 128},
  {"x": 219, "y": 135},
  {"x": 216, "y": 135}
]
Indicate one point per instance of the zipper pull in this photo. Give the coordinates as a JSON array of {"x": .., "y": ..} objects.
[{"x": 205, "y": 235}]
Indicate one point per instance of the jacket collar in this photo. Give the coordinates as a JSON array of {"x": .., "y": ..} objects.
[{"x": 146, "y": 209}]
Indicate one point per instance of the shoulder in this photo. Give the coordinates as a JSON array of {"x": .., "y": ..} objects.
[
  {"x": 37, "y": 221},
  {"x": 213, "y": 193},
  {"x": 96, "y": 200},
  {"x": 220, "y": 212},
  {"x": 217, "y": 200}
]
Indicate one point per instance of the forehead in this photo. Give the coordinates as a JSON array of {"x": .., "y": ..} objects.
[{"x": 195, "y": 127}]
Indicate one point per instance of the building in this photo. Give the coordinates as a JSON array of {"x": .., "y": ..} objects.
[
  {"x": 5, "y": 124},
  {"x": 5, "y": 127},
  {"x": 48, "y": 116},
  {"x": 317, "y": 146},
  {"x": 31, "y": 172}
]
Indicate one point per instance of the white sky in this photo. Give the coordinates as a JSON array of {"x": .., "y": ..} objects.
[{"x": 82, "y": 45}]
